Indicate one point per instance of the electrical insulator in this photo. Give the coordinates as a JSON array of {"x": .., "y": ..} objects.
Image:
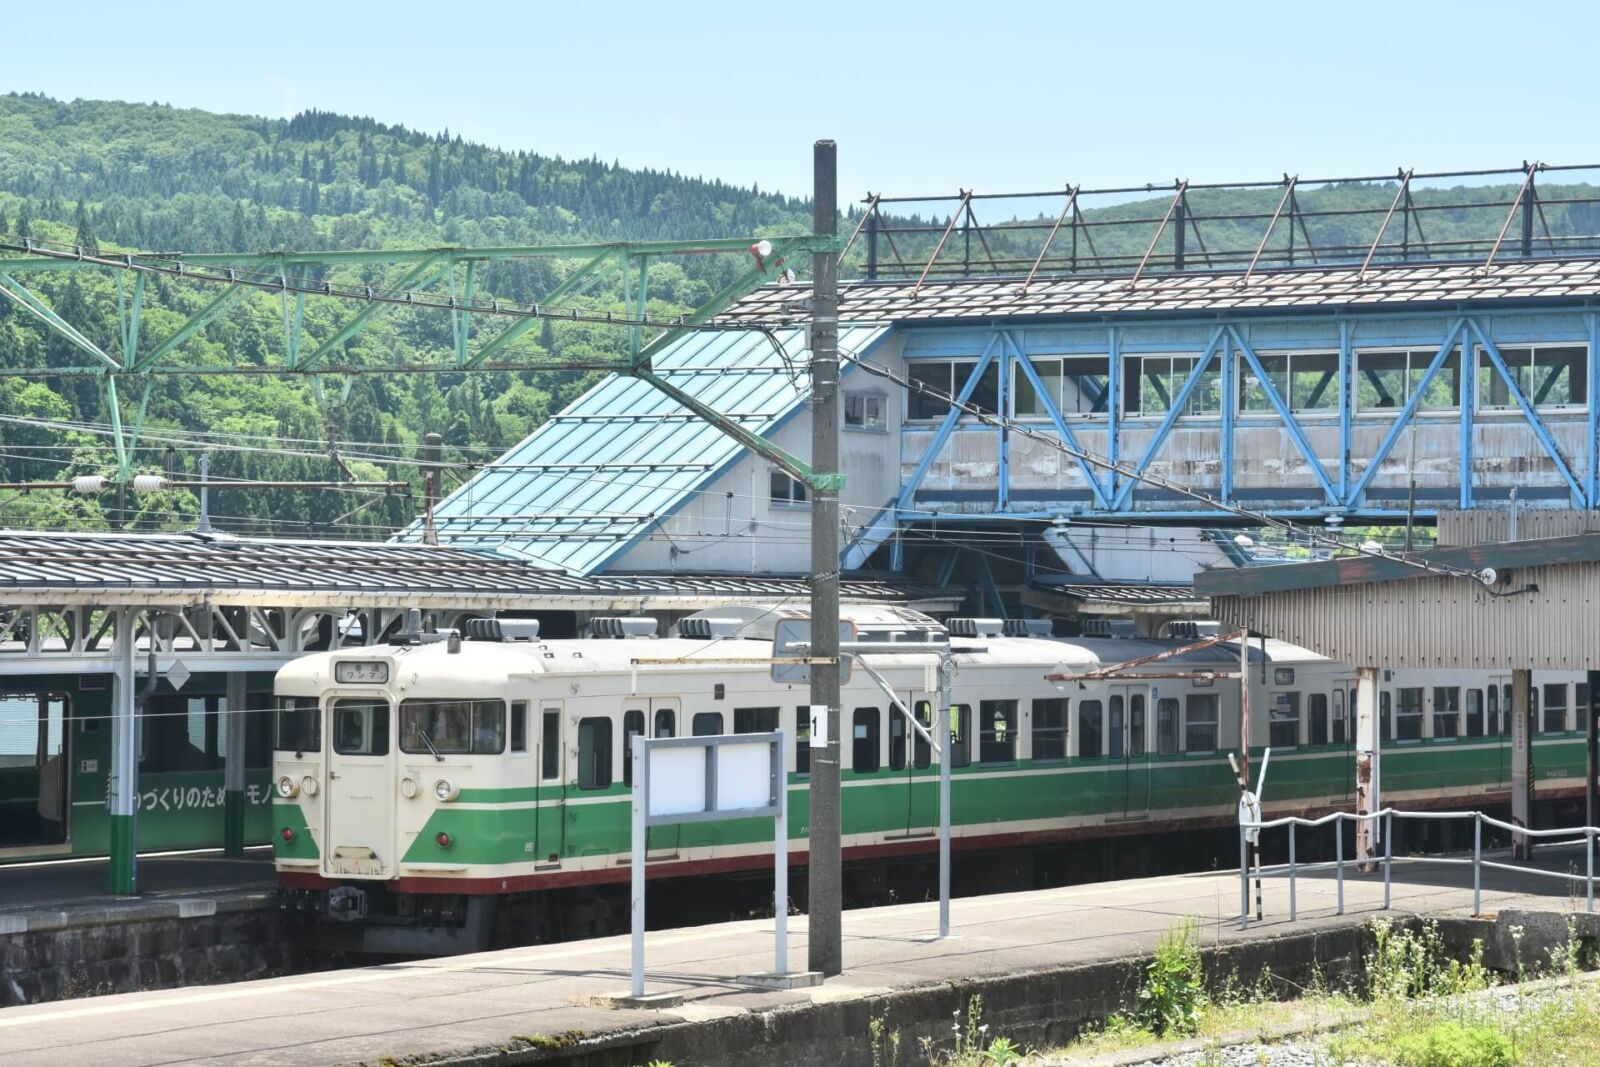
[
  {"x": 149, "y": 483},
  {"x": 89, "y": 484}
]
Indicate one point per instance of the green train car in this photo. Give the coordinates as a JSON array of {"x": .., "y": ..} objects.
[
  {"x": 55, "y": 763},
  {"x": 423, "y": 792}
]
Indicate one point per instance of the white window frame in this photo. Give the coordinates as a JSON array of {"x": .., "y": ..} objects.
[
  {"x": 1483, "y": 362},
  {"x": 866, "y": 398},
  {"x": 1388, "y": 350},
  {"x": 1138, "y": 412},
  {"x": 1247, "y": 374},
  {"x": 804, "y": 503},
  {"x": 1019, "y": 378}
]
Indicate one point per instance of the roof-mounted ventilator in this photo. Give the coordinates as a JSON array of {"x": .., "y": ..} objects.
[
  {"x": 1109, "y": 628},
  {"x": 502, "y": 629},
  {"x": 1029, "y": 627},
  {"x": 963, "y": 626},
  {"x": 702, "y": 627},
  {"x": 635, "y": 626}
]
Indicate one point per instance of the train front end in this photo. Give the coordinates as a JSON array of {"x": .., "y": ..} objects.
[{"x": 377, "y": 754}]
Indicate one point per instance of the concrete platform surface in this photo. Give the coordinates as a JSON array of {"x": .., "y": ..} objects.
[
  {"x": 82, "y": 882},
  {"x": 447, "y": 1007}
]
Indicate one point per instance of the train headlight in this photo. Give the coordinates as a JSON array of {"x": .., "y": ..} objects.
[
  {"x": 445, "y": 790},
  {"x": 308, "y": 786},
  {"x": 287, "y": 788},
  {"x": 408, "y": 787}
]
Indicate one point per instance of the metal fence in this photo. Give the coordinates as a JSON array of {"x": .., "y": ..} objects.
[{"x": 1293, "y": 869}]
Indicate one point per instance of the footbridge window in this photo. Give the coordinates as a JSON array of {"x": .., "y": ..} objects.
[
  {"x": 1077, "y": 385},
  {"x": 1305, "y": 381},
  {"x": 1154, "y": 382},
  {"x": 1551, "y": 377},
  {"x": 1387, "y": 379},
  {"x": 948, "y": 377}
]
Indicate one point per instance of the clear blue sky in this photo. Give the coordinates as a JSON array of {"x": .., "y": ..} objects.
[{"x": 921, "y": 97}]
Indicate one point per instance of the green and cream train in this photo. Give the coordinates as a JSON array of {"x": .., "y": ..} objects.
[{"x": 427, "y": 793}]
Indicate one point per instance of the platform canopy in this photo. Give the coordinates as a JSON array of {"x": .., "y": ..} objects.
[{"x": 1375, "y": 611}]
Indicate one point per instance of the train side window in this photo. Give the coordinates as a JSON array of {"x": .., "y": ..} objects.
[
  {"x": 1090, "y": 729},
  {"x": 897, "y": 740},
  {"x": 361, "y": 728},
  {"x": 921, "y": 754},
  {"x": 997, "y": 731},
  {"x": 665, "y": 726},
  {"x": 1337, "y": 734},
  {"x": 1114, "y": 721},
  {"x": 1385, "y": 727},
  {"x": 960, "y": 735},
  {"x": 1408, "y": 715},
  {"x": 1446, "y": 711},
  {"x": 550, "y": 758},
  {"x": 1284, "y": 721},
  {"x": 1200, "y": 733},
  {"x": 1167, "y": 726},
  {"x": 177, "y": 737},
  {"x": 632, "y": 726},
  {"x": 1505, "y": 708},
  {"x": 706, "y": 723},
  {"x": 864, "y": 740},
  {"x": 594, "y": 753},
  {"x": 1050, "y": 729},
  {"x": 1474, "y": 712},
  {"x": 1317, "y": 713},
  {"x": 802, "y": 740},
  {"x": 755, "y": 720},
  {"x": 1580, "y": 703},
  {"x": 1555, "y": 708},
  {"x": 1532, "y": 713},
  {"x": 297, "y": 725},
  {"x": 1492, "y": 701},
  {"x": 519, "y": 726}
]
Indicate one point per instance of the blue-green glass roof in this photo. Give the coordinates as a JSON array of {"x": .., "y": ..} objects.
[{"x": 601, "y": 474}]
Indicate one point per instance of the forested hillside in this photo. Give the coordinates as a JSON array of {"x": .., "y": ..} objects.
[
  {"x": 142, "y": 177},
  {"x": 121, "y": 176}
]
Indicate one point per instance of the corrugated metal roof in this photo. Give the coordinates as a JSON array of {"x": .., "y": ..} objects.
[
  {"x": 603, "y": 472},
  {"x": 86, "y": 562},
  {"x": 1315, "y": 288},
  {"x": 1138, "y": 593}
]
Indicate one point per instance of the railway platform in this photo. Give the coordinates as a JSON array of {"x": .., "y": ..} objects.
[{"x": 1072, "y": 951}]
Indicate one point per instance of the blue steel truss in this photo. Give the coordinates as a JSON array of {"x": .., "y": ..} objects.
[{"x": 1352, "y": 484}]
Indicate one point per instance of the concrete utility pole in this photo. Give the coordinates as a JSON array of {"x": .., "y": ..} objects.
[
  {"x": 825, "y": 948},
  {"x": 431, "y": 445}
]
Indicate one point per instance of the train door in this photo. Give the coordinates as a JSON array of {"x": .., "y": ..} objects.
[
  {"x": 550, "y": 813},
  {"x": 1131, "y": 705},
  {"x": 910, "y": 755},
  {"x": 360, "y": 828},
  {"x": 1497, "y": 723},
  {"x": 33, "y": 770}
]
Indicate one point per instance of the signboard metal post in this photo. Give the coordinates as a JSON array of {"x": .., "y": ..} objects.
[{"x": 698, "y": 779}]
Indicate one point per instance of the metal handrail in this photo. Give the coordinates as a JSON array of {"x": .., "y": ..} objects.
[{"x": 1573, "y": 835}]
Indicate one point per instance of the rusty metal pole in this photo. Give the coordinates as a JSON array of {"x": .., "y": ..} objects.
[
  {"x": 1521, "y": 760},
  {"x": 431, "y": 446},
  {"x": 1369, "y": 743}
]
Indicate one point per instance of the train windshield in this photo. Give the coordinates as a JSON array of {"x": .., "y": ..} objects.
[
  {"x": 297, "y": 726},
  {"x": 452, "y": 726}
]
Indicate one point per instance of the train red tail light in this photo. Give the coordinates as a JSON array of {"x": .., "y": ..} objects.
[
  {"x": 287, "y": 834},
  {"x": 443, "y": 839}
]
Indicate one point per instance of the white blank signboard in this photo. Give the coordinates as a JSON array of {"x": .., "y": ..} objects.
[
  {"x": 678, "y": 781},
  {"x": 744, "y": 776}
]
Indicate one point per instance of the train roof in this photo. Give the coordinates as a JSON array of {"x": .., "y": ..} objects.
[{"x": 492, "y": 659}]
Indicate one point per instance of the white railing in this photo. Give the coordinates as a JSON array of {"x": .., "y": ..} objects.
[{"x": 1293, "y": 869}]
